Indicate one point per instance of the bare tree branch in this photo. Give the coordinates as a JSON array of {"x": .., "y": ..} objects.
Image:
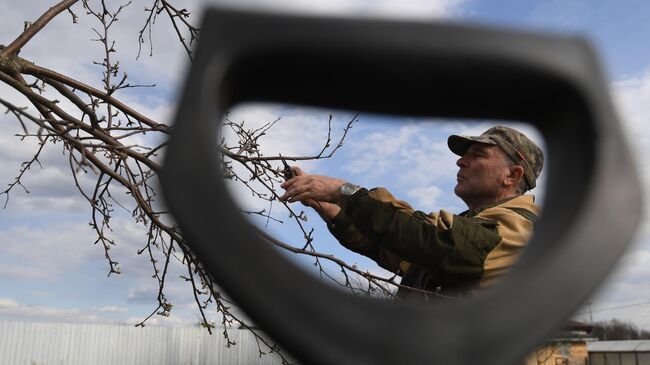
[
  {"x": 14, "y": 47},
  {"x": 41, "y": 72}
]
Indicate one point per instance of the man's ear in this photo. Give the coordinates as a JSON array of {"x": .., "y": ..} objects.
[{"x": 515, "y": 175}]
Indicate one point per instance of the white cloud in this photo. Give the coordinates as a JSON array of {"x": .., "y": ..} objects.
[
  {"x": 22, "y": 272},
  {"x": 142, "y": 295},
  {"x": 428, "y": 162},
  {"x": 8, "y": 303},
  {"x": 425, "y": 198},
  {"x": 71, "y": 244},
  {"x": 381, "y": 152},
  {"x": 40, "y": 206},
  {"x": 112, "y": 309},
  {"x": 51, "y": 251},
  {"x": 10, "y": 308}
]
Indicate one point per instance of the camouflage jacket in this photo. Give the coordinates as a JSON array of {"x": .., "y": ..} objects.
[{"x": 437, "y": 252}]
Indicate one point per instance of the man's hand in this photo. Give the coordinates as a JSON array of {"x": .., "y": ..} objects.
[
  {"x": 305, "y": 187},
  {"x": 326, "y": 210}
]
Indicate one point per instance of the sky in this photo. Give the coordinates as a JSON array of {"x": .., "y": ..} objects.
[{"x": 51, "y": 271}]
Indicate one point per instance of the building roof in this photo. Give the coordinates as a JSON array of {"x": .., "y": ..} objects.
[
  {"x": 619, "y": 346},
  {"x": 572, "y": 325}
]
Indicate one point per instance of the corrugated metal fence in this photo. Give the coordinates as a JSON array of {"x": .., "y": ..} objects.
[{"x": 33, "y": 343}]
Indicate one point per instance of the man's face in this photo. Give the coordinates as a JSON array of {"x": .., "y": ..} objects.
[{"x": 482, "y": 171}]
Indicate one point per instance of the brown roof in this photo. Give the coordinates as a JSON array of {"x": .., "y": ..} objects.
[{"x": 571, "y": 325}]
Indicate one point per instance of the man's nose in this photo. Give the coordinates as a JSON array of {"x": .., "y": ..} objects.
[{"x": 461, "y": 162}]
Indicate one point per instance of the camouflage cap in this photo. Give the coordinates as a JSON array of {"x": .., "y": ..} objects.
[{"x": 515, "y": 144}]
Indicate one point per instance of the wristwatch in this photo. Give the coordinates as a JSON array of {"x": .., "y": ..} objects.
[{"x": 347, "y": 190}]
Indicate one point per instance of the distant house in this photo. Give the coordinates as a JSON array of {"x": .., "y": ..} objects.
[
  {"x": 632, "y": 352},
  {"x": 568, "y": 347}
]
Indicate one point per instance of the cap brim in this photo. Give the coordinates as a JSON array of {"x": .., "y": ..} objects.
[{"x": 459, "y": 144}]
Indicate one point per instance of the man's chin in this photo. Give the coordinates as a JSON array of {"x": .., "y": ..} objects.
[
  {"x": 462, "y": 192},
  {"x": 458, "y": 190}
]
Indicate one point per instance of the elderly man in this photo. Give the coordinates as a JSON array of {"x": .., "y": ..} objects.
[{"x": 439, "y": 253}]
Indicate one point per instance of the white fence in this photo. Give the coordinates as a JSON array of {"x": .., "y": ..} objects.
[{"x": 32, "y": 343}]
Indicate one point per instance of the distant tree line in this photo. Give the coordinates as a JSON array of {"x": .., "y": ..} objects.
[{"x": 616, "y": 329}]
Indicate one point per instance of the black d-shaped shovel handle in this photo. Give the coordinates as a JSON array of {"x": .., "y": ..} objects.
[{"x": 422, "y": 69}]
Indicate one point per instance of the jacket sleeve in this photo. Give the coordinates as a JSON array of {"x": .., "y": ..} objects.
[
  {"x": 442, "y": 242},
  {"x": 349, "y": 236}
]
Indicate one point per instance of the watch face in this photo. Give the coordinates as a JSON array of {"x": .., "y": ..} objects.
[{"x": 348, "y": 189}]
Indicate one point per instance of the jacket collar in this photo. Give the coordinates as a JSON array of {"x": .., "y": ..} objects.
[{"x": 526, "y": 201}]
